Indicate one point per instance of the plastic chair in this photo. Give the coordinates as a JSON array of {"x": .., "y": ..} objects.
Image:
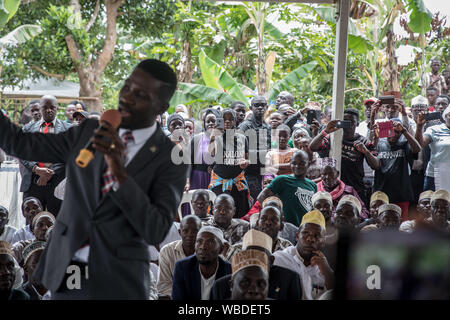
[{"x": 187, "y": 197}]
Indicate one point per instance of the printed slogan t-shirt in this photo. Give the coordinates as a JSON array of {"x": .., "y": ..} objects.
[{"x": 296, "y": 196}]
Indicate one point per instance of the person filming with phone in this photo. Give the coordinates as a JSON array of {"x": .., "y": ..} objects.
[{"x": 355, "y": 148}]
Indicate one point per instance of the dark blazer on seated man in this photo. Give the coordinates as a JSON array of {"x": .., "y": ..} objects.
[
  {"x": 120, "y": 224},
  {"x": 284, "y": 284},
  {"x": 29, "y": 180},
  {"x": 186, "y": 283}
]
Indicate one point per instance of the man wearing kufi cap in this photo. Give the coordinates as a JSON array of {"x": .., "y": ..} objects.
[
  {"x": 347, "y": 213},
  {"x": 194, "y": 276},
  {"x": 440, "y": 210},
  {"x": 377, "y": 199},
  {"x": 423, "y": 212},
  {"x": 8, "y": 275},
  {"x": 250, "y": 279},
  {"x": 31, "y": 255},
  {"x": 284, "y": 284},
  {"x": 306, "y": 257},
  {"x": 323, "y": 202},
  {"x": 389, "y": 216}
]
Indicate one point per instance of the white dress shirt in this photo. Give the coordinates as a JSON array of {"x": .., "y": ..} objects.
[
  {"x": 8, "y": 234},
  {"x": 310, "y": 276},
  {"x": 23, "y": 234},
  {"x": 132, "y": 147}
]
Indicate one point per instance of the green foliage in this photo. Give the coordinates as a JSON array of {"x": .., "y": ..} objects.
[
  {"x": 7, "y": 10},
  {"x": 420, "y": 20}
]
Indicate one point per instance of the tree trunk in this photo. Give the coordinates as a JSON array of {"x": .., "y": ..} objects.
[
  {"x": 391, "y": 74},
  {"x": 185, "y": 67}
]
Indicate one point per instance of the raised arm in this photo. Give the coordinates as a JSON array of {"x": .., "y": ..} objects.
[
  {"x": 422, "y": 140},
  {"x": 317, "y": 141}
]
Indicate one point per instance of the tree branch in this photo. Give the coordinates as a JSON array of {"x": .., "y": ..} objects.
[
  {"x": 94, "y": 17},
  {"x": 48, "y": 74},
  {"x": 105, "y": 55}
]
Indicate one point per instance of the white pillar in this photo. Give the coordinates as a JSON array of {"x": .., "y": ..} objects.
[{"x": 340, "y": 67}]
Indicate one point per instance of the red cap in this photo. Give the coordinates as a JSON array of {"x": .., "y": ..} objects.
[{"x": 373, "y": 100}]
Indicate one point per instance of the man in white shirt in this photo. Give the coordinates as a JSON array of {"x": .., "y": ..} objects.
[
  {"x": 306, "y": 258},
  {"x": 6, "y": 231},
  {"x": 177, "y": 250},
  {"x": 31, "y": 206}
]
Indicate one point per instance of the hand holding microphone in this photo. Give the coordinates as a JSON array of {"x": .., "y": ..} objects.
[{"x": 107, "y": 141}]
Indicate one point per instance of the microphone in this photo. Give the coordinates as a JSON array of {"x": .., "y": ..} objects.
[{"x": 113, "y": 118}]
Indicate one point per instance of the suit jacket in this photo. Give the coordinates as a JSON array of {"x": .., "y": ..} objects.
[
  {"x": 119, "y": 225},
  {"x": 27, "y": 175},
  {"x": 284, "y": 284},
  {"x": 186, "y": 283}
]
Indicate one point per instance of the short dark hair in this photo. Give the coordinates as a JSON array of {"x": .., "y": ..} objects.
[
  {"x": 445, "y": 96},
  {"x": 33, "y": 102},
  {"x": 199, "y": 192},
  {"x": 162, "y": 72},
  {"x": 431, "y": 88},
  {"x": 237, "y": 103},
  {"x": 31, "y": 198},
  {"x": 353, "y": 112},
  {"x": 75, "y": 102},
  {"x": 283, "y": 127}
]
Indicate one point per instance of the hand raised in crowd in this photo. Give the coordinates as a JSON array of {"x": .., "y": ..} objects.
[
  {"x": 421, "y": 118},
  {"x": 314, "y": 126},
  {"x": 215, "y": 133},
  {"x": 360, "y": 146},
  {"x": 109, "y": 143},
  {"x": 398, "y": 127},
  {"x": 376, "y": 130},
  {"x": 243, "y": 163},
  {"x": 331, "y": 126},
  {"x": 401, "y": 106}
]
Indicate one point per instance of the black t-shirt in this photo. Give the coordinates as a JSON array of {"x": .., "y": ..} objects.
[
  {"x": 352, "y": 160},
  {"x": 393, "y": 176},
  {"x": 231, "y": 149}
]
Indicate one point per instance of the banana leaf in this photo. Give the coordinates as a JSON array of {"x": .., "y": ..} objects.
[
  {"x": 293, "y": 79},
  {"x": 8, "y": 9},
  {"x": 188, "y": 93},
  {"x": 20, "y": 34},
  {"x": 215, "y": 76},
  {"x": 421, "y": 17}
]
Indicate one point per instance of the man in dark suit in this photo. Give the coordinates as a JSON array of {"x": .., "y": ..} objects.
[
  {"x": 194, "y": 276},
  {"x": 284, "y": 284},
  {"x": 103, "y": 230},
  {"x": 40, "y": 179}
]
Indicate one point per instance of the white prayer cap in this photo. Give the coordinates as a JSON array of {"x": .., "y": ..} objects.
[
  {"x": 391, "y": 207},
  {"x": 353, "y": 200},
  {"x": 419, "y": 100},
  {"x": 321, "y": 195},
  {"x": 213, "y": 230},
  {"x": 441, "y": 194}
]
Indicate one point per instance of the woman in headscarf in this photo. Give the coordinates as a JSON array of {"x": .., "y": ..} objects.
[{"x": 230, "y": 150}]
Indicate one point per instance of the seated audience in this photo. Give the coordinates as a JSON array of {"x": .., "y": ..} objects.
[
  {"x": 423, "y": 213},
  {"x": 177, "y": 250},
  {"x": 194, "y": 276},
  {"x": 8, "y": 275},
  {"x": 223, "y": 213},
  {"x": 31, "y": 255},
  {"x": 389, "y": 217},
  {"x": 6, "y": 231},
  {"x": 306, "y": 257},
  {"x": 200, "y": 204},
  {"x": 31, "y": 206},
  {"x": 377, "y": 199}
]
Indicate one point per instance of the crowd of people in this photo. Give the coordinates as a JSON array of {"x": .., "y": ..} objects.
[{"x": 264, "y": 203}]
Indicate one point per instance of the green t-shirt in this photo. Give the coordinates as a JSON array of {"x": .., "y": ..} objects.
[{"x": 295, "y": 194}]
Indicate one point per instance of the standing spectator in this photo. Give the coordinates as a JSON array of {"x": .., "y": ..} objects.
[
  {"x": 275, "y": 120},
  {"x": 35, "y": 111},
  {"x": 392, "y": 112},
  {"x": 194, "y": 276},
  {"x": 31, "y": 206},
  {"x": 223, "y": 213},
  {"x": 353, "y": 155},
  {"x": 314, "y": 169},
  {"x": 40, "y": 179},
  {"x": 392, "y": 175},
  {"x": 8, "y": 275},
  {"x": 177, "y": 250},
  {"x": 284, "y": 97},
  {"x": 70, "y": 110},
  {"x": 79, "y": 117},
  {"x": 306, "y": 257},
  {"x": 201, "y": 160},
  {"x": 434, "y": 79},
  {"x": 438, "y": 138},
  {"x": 230, "y": 150},
  {"x": 442, "y": 103},
  {"x": 295, "y": 191},
  {"x": 189, "y": 125},
  {"x": 278, "y": 161},
  {"x": 257, "y": 151},
  {"x": 240, "y": 108},
  {"x": 432, "y": 94},
  {"x": 331, "y": 183},
  {"x": 6, "y": 231}
]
